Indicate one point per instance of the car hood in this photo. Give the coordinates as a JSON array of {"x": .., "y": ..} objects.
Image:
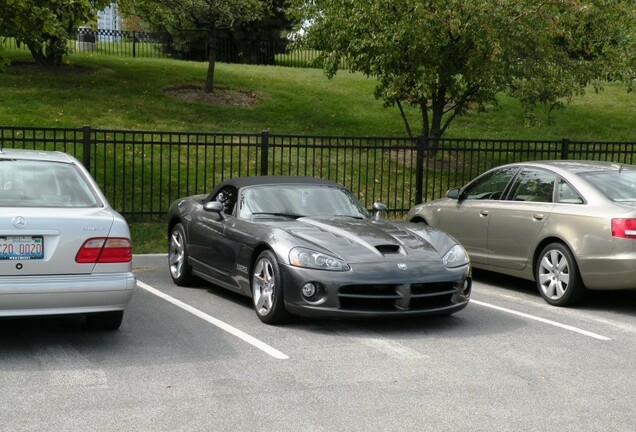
[{"x": 369, "y": 241}]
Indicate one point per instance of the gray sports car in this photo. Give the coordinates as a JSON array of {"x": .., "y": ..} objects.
[
  {"x": 305, "y": 246},
  {"x": 568, "y": 225}
]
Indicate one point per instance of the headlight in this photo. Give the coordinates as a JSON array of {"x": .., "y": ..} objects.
[
  {"x": 307, "y": 258},
  {"x": 455, "y": 257}
]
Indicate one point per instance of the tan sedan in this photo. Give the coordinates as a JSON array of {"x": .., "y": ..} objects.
[{"x": 568, "y": 225}]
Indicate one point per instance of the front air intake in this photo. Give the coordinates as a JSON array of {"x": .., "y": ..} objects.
[{"x": 388, "y": 249}]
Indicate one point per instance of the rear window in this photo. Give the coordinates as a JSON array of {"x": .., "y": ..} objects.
[
  {"x": 44, "y": 184},
  {"x": 616, "y": 185}
]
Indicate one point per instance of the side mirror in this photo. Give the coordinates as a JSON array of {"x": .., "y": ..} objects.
[
  {"x": 453, "y": 193},
  {"x": 378, "y": 208},
  {"x": 214, "y": 207}
]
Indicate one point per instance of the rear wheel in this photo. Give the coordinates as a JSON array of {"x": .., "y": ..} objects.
[
  {"x": 557, "y": 275},
  {"x": 178, "y": 257},
  {"x": 267, "y": 290},
  {"x": 105, "y": 320}
]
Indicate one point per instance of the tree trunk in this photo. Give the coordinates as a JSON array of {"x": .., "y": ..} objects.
[
  {"x": 437, "y": 114},
  {"x": 406, "y": 121},
  {"x": 36, "y": 53},
  {"x": 209, "y": 81},
  {"x": 48, "y": 55}
]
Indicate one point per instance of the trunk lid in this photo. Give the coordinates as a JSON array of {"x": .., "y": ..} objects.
[{"x": 60, "y": 232}]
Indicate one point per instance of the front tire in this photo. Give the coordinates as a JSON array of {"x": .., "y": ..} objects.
[
  {"x": 557, "y": 275},
  {"x": 180, "y": 270},
  {"x": 267, "y": 290}
]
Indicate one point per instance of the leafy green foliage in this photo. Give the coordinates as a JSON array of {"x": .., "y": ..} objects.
[
  {"x": 239, "y": 43},
  {"x": 272, "y": 27},
  {"x": 208, "y": 15},
  {"x": 44, "y": 26},
  {"x": 446, "y": 57}
]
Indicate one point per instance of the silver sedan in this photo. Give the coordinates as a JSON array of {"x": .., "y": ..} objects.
[
  {"x": 63, "y": 249},
  {"x": 568, "y": 225}
]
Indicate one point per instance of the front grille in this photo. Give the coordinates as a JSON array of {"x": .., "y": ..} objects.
[
  {"x": 389, "y": 297},
  {"x": 432, "y": 289}
]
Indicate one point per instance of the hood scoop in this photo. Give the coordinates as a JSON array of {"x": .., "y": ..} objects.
[{"x": 388, "y": 249}]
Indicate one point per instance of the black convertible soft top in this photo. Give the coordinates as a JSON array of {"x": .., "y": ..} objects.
[{"x": 239, "y": 182}]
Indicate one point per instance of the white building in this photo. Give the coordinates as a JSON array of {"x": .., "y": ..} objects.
[{"x": 109, "y": 19}]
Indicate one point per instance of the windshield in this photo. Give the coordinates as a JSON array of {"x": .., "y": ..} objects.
[
  {"x": 298, "y": 201},
  {"x": 26, "y": 183},
  {"x": 617, "y": 185}
]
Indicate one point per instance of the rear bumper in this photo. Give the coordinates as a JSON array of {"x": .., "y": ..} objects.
[
  {"x": 64, "y": 295},
  {"x": 616, "y": 272}
]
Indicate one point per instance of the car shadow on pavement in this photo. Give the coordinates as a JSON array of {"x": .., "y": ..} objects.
[
  {"x": 621, "y": 301},
  {"x": 465, "y": 323}
]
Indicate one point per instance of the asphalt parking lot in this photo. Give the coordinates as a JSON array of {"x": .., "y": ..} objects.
[{"x": 198, "y": 358}]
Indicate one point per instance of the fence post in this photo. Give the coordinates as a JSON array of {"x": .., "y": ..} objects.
[
  {"x": 264, "y": 152},
  {"x": 565, "y": 148},
  {"x": 134, "y": 38},
  {"x": 422, "y": 144},
  {"x": 86, "y": 147}
]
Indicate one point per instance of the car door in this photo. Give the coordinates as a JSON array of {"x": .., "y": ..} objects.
[
  {"x": 211, "y": 249},
  {"x": 468, "y": 218},
  {"x": 516, "y": 221}
]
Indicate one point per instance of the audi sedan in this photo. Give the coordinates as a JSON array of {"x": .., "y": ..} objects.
[
  {"x": 568, "y": 225},
  {"x": 63, "y": 249},
  {"x": 305, "y": 246}
]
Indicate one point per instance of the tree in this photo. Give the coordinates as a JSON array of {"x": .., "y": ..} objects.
[
  {"x": 448, "y": 56},
  {"x": 44, "y": 26},
  {"x": 3, "y": 59},
  {"x": 210, "y": 15},
  {"x": 254, "y": 42},
  {"x": 252, "y": 39}
]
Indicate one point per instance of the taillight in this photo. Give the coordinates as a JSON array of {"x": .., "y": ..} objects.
[
  {"x": 624, "y": 228},
  {"x": 105, "y": 250}
]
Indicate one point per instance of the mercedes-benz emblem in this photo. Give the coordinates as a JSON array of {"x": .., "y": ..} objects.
[
  {"x": 19, "y": 222},
  {"x": 402, "y": 266}
]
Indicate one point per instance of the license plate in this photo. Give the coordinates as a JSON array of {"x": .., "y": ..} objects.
[{"x": 21, "y": 248}]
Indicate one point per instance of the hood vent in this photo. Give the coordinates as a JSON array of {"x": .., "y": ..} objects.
[{"x": 388, "y": 249}]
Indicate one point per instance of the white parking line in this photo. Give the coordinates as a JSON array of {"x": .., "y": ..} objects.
[
  {"x": 214, "y": 321},
  {"x": 543, "y": 320}
]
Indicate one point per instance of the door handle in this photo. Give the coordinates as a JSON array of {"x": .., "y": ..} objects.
[
  {"x": 537, "y": 216},
  {"x": 483, "y": 213}
]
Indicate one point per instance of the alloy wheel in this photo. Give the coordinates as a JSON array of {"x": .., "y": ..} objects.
[
  {"x": 176, "y": 254},
  {"x": 263, "y": 285},
  {"x": 554, "y": 274}
]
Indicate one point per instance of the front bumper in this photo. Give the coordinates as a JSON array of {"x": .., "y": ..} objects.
[
  {"x": 370, "y": 290},
  {"x": 64, "y": 295}
]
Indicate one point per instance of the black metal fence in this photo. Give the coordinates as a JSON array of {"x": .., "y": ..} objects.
[
  {"x": 165, "y": 45},
  {"x": 142, "y": 172}
]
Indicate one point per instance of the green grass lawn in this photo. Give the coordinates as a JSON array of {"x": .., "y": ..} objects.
[{"x": 130, "y": 93}]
